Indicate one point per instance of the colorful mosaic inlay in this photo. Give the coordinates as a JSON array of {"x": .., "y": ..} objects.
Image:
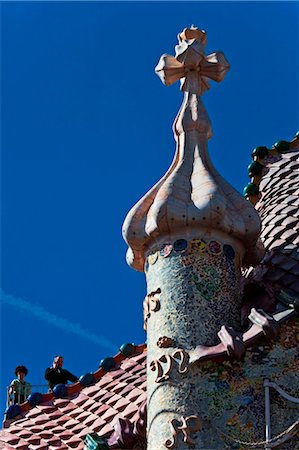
[
  {"x": 229, "y": 397},
  {"x": 233, "y": 393},
  {"x": 202, "y": 275},
  {"x": 200, "y": 246}
]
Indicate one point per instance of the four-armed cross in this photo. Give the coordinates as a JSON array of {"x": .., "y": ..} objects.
[{"x": 191, "y": 65}]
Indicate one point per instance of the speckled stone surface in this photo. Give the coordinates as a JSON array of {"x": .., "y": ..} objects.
[
  {"x": 234, "y": 397},
  {"x": 229, "y": 398},
  {"x": 200, "y": 291},
  {"x": 201, "y": 276}
]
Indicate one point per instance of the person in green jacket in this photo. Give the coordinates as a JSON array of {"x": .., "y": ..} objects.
[{"x": 19, "y": 389}]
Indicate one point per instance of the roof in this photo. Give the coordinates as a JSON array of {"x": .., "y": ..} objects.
[
  {"x": 277, "y": 201},
  {"x": 63, "y": 423}
]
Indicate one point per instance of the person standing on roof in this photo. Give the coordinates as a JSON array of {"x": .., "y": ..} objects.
[
  {"x": 57, "y": 375},
  {"x": 19, "y": 389}
]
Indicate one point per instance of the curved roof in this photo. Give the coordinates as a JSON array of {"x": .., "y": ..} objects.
[{"x": 277, "y": 203}]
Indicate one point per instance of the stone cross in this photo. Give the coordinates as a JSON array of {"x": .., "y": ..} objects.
[{"x": 191, "y": 65}]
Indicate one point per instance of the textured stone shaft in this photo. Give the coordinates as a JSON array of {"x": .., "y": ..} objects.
[
  {"x": 198, "y": 285},
  {"x": 200, "y": 291}
]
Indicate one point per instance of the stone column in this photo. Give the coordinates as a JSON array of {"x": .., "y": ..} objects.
[{"x": 193, "y": 289}]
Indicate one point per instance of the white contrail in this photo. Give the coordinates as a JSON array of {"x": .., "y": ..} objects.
[{"x": 58, "y": 322}]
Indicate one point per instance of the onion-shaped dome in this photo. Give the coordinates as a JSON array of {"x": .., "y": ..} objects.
[{"x": 192, "y": 195}]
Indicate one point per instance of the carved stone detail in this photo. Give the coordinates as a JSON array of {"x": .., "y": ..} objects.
[
  {"x": 191, "y": 60},
  {"x": 141, "y": 421},
  {"x": 234, "y": 345},
  {"x": 162, "y": 372},
  {"x": 128, "y": 435},
  {"x": 267, "y": 323},
  {"x": 233, "y": 342},
  {"x": 164, "y": 342},
  {"x": 187, "y": 426},
  {"x": 182, "y": 358},
  {"x": 151, "y": 304},
  {"x": 164, "y": 365}
]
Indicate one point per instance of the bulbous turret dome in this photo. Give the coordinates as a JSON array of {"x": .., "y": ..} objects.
[{"x": 192, "y": 195}]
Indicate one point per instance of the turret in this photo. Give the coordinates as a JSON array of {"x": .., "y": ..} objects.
[{"x": 190, "y": 234}]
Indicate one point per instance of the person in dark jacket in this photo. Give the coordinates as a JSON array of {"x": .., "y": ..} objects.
[{"x": 57, "y": 375}]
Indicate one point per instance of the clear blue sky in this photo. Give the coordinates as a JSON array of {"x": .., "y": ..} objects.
[{"x": 86, "y": 131}]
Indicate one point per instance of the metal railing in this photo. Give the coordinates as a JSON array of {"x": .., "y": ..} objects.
[
  {"x": 14, "y": 397},
  {"x": 289, "y": 432}
]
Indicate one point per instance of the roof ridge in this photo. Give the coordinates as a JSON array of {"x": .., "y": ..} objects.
[
  {"x": 261, "y": 156},
  {"x": 17, "y": 411}
]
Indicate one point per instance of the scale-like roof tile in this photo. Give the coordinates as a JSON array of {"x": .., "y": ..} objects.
[
  {"x": 63, "y": 423},
  {"x": 278, "y": 207}
]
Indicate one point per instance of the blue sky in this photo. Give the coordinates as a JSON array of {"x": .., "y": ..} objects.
[{"x": 86, "y": 131}]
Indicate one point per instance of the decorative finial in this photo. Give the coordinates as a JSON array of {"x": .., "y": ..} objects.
[
  {"x": 191, "y": 199},
  {"x": 190, "y": 64}
]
